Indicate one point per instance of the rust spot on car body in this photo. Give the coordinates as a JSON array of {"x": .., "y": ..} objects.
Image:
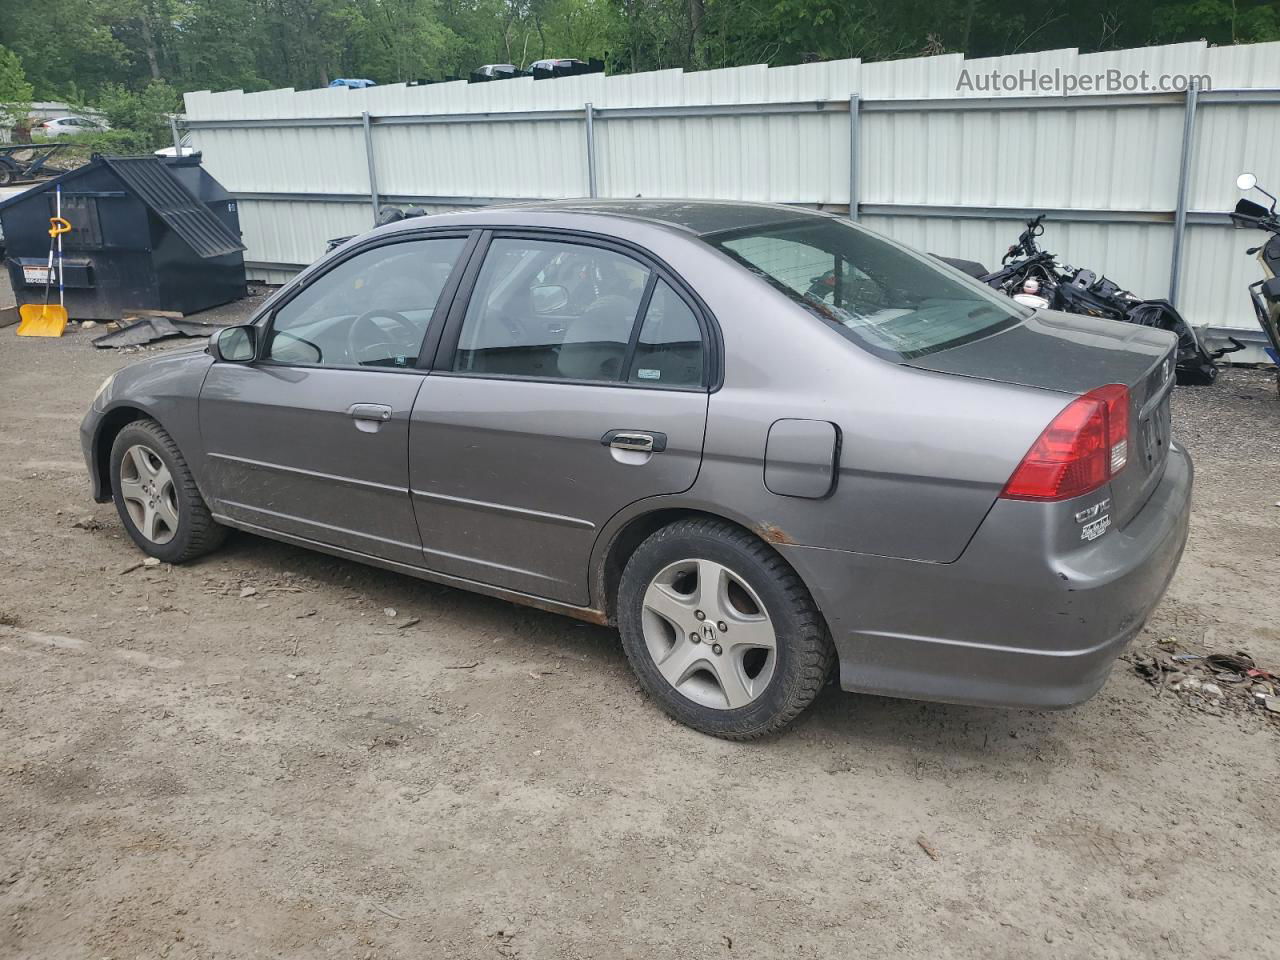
[
  {"x": 589, "y": 614},
  {"x": 774, "y": 534}
]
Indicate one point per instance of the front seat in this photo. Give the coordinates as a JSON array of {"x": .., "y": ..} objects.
[{"x": 595, "y": 344}]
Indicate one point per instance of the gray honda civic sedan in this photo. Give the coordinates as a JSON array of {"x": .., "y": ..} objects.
[{"x": 763, "y": 442}]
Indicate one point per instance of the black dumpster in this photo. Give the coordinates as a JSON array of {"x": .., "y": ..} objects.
[{"x": 146, "y": 233}]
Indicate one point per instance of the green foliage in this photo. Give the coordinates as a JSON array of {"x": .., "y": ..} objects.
[
  {"x": 15, "y": 91},
  {"x": 64, "y": 45},
  {"x": 116, "y": 143},
  {"x": 88, "y": 50},
  {"x": 1220, "y": 21},
  {"x": 140, "y": 118}
]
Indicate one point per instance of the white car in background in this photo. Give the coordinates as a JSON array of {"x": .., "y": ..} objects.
[{"x": 66, "y": 126}]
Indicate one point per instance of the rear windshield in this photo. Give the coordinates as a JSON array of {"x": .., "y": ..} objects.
[{"x": 896, "y": 303}]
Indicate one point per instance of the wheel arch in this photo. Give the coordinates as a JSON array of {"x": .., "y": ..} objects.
[
  {"x": 625, "y": 533},
  {"x": 113, "y": 421}
]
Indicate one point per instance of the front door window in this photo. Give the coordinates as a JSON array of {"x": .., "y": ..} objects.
[{"x": 370, "y": 311}]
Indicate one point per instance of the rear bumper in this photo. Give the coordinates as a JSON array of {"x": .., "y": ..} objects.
[{"x": 1011, "y": 623}]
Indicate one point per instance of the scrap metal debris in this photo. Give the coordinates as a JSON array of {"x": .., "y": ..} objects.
[
  {"x": 149, "y": 326},
  {"x": 1211, "y": 681}
]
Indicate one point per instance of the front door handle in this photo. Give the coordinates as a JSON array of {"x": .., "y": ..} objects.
[
  {"x": 369, "y": 417},
  {"x": 642, "y": 441}
]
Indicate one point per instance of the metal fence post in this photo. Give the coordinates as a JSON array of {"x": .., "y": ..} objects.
[
  {"x": 177, "y": 140},
  {"x": 855, "y": 134},
  {"x": 589, "y": 113},
  {"x": 1184, "y": 188},
  {"x": 373, "y": 172}
]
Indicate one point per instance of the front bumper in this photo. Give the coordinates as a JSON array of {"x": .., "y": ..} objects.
[{"x": 1012, "y": 623}]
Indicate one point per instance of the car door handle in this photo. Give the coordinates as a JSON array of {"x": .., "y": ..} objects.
[
  {"x": 369, "y": 417},
  {"x": 643, "y": 441},
  {"x": 370, "y": 411}
]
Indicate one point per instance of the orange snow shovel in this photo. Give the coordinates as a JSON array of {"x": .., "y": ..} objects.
[{"x": 48, "y": 320}]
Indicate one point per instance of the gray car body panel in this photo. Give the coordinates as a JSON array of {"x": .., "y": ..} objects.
[
  {"x": 512, "y": 483},
  {"x": 1030, "y": 616},
  {"x": 515, "y": 496},
  {"x": 285, "y": 452},
  {"x": 165, "y": 388},
  {"x": 1057, "y": 351}
]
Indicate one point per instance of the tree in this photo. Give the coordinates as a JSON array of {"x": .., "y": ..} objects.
[
  {"x": 15, "y": 91},
  {"x": 145, "y": 113},
  {"x": 78, "y": 49},
  {"x": 401, "y": 39},
  {"x": 65, "y": 46}
]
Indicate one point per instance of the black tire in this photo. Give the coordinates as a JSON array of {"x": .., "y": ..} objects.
[
  {"x": 8, "y": 172},
  {"x": 804, "y": 654},
  {"x": 197, "y": 533}
]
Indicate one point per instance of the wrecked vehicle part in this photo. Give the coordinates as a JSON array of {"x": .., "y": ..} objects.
[
  {"x": 1264, "y": 294},
  {"x": 1034, "y": 277},
  {"x": 144, "y": 330}
]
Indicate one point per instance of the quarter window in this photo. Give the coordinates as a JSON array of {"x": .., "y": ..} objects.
[
  {"x": 372, "y": 310},
  {"x": 669, "y": 350},
  {"x": 553, "y": 310}
]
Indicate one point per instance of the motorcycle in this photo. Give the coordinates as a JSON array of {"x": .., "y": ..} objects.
[
  {"x": 1264, "y": 293},
  {"x": 1034, "y": 278}
]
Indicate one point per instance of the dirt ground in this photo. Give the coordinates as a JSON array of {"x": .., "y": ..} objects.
[{"x": 273, "y": 753}]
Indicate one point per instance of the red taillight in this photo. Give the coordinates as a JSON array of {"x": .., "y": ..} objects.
[{"x": 1085, "y": 446}]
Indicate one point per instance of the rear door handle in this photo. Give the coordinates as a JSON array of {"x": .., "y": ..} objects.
[
  {"x": 643, "y": 441},
  {"x": 369, "y": 417},
  {"x": 370, "y": 411}
]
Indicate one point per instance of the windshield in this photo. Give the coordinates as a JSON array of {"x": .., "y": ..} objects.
[{"x": 896, "y": 303}]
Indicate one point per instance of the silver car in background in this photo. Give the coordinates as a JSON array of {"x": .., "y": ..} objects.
[
  {"x": 763, "y": 442},
  {"x": 67, "y": 126}
]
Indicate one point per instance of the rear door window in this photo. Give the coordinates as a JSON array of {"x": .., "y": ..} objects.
[{"x": 549, "y": 309}]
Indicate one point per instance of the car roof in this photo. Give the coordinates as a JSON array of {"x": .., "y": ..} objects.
[{"x": 699, "y": 217}]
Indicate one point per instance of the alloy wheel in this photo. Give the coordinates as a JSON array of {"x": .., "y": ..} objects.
[
  {"x": 709, "y": 634},
  {"x": 147, "y": 488}
]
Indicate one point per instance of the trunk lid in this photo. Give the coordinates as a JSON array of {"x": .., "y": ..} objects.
[{"x": 1073, "y": 354}]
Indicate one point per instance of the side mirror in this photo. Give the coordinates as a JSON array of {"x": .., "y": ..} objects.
[
  {"x": 549, "y": 298},
  {"x": 1246, "y": 181},
  {"x": 234, "y": 344}
]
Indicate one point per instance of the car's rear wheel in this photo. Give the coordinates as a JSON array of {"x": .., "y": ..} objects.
[
  {"x": 157, "y": 498},
  {"x": 720, "y": 630}
]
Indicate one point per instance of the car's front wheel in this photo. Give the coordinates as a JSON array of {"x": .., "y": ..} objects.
[
  {"x": 721, "y": 631},
  {"x": 157, "y": 498}
]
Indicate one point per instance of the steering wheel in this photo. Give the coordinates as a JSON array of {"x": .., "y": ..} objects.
[{"x": 360, "y": 352}]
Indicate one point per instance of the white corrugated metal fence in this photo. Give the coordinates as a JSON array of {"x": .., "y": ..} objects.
[{"x": 1125, "y": 177}]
